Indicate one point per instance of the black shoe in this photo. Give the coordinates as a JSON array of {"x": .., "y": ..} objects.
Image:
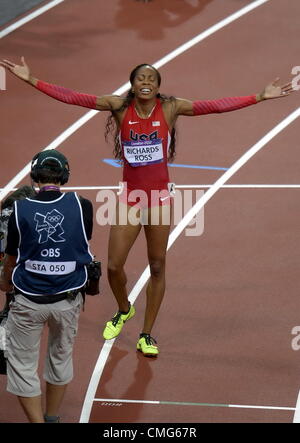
[{"x": 51, "y": 419}]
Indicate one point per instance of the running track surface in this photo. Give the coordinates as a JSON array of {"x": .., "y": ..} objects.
[{"x": 225, "y": 326}]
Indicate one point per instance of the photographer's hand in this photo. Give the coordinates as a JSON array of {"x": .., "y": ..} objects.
[{"x": 9, "y": 263}]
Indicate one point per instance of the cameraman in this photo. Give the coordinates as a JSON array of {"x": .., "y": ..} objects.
[{"x": 45, "y": 263}]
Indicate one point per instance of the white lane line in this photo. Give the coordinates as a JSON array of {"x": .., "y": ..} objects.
[
  {"x": 221, "y": 24},
  {"x": 90, "y": 114},
  {"x": 29, "y": 17},
  {"x": 88, "y": 402},
  {"x": 109, "y": 400},
  {"x": 185, "y": 403},
  {"x": 229, "y": 173},
  {"x": 236, "y": 186},
  {"x": 296, "y": 418},
  {"x": 242, "y": 186},
  {"x": 279, "y": 408},
  {"x": 53, "y": 145}
]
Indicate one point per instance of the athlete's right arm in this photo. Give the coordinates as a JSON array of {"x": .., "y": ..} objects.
[{"x": 101, "y": 103}]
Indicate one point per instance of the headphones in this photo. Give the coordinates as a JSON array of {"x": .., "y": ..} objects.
[{"x": 41, "y": 162}]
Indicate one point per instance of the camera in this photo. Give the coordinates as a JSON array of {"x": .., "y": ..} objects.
[{"x": 94, "y": 274}]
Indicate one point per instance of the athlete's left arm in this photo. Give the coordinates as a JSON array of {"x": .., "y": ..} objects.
[
  {"x": 201, "y": 107},
  {"x": 9, "y": 262}
]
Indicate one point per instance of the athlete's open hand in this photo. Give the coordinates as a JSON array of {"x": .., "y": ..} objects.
[
  {"x": 274, "y": 90},
  {"x": 22, "y": 71}
]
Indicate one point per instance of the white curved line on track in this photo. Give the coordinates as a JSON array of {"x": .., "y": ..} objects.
[
  {"x": 296, "y": 418},
  {"x": 80, "y": 122}
]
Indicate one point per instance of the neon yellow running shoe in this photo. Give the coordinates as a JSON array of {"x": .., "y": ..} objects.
[
  {"x": 146, "y": 345},
  {"x": 115, "y": 325}
]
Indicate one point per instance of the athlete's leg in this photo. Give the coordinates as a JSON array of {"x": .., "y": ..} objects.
[
  {"x": 121, "y": 239},
  {"x": 157, "y": 239}
]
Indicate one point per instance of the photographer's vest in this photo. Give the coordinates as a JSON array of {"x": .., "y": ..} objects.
[{"x": 53, "y": 248}]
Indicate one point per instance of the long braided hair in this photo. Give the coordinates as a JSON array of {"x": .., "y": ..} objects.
[{"x": 111, "y": 127}]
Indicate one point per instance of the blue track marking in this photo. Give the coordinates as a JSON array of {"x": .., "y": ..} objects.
[
  {"x": 112, "y": 162},
  {"x": 215, "y": 168}
]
